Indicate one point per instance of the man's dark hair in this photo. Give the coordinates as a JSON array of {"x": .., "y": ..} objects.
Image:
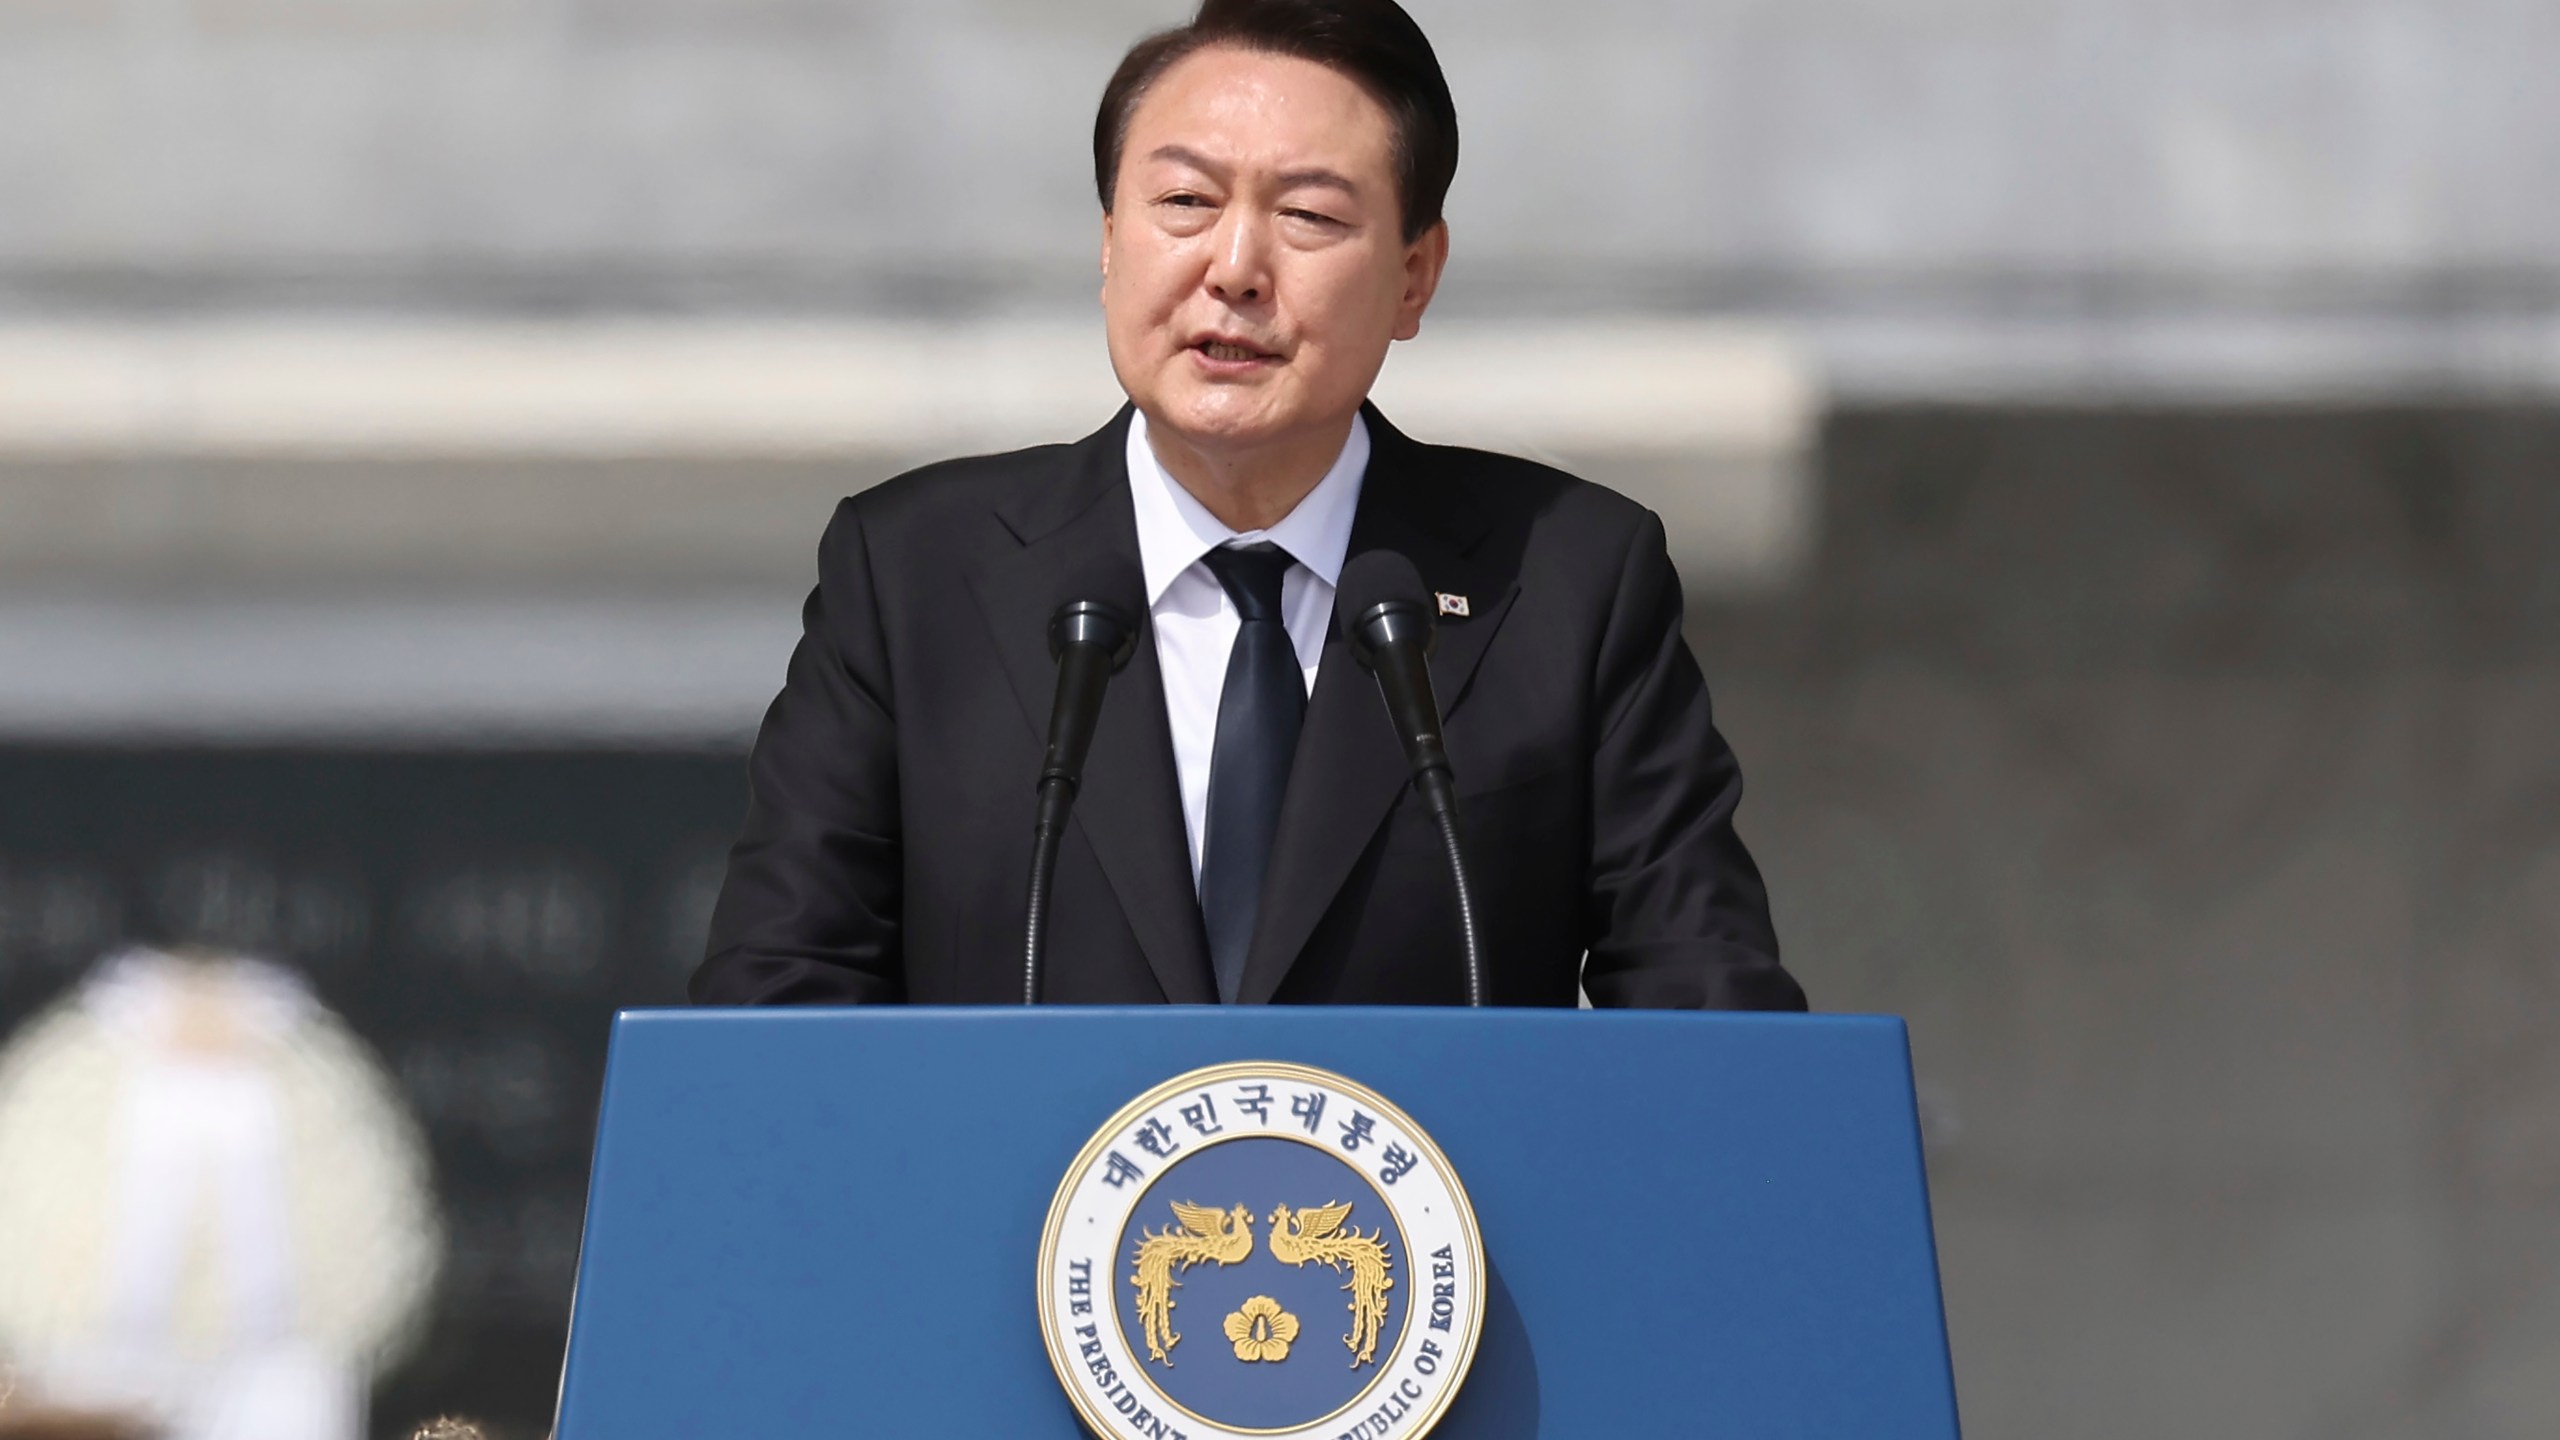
[{"x": 1372, "y": 41}]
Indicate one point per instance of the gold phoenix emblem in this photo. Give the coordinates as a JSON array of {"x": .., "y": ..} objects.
[
  {"x": 1206, "y": 1235},
  {"x": 1262, "y": 1330},
  {"x": 1320, "y": 1238}
]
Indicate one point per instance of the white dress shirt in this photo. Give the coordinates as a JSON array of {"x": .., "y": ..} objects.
[{"x": 1195, "y": 622}]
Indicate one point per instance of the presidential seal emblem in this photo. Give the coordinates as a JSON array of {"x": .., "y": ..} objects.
[{"x": 1261, "y": 1249}]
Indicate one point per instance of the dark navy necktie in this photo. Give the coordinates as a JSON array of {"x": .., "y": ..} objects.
[{"x": 1259, "y": 713}]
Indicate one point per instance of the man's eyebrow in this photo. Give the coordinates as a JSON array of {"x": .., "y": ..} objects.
[
  {"x": 1315, "y": 175},
  {"x": 1320, "y": 177},
  {"x": 1184, "y": 155}
]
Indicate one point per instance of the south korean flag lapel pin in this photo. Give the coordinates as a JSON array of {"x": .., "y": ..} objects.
[{"x": 1452, "y": 607}]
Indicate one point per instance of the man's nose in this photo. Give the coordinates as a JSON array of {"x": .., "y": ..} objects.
[{"x": 1240, "y": 265}]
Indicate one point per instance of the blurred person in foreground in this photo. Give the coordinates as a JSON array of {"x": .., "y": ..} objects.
[{"x": 1271, "y": 178}]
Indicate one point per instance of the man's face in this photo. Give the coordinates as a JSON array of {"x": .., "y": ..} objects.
[{"x": 1254, "y": 262}]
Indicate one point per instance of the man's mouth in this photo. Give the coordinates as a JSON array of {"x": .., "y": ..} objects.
[{"x": 1229, "y": 351}]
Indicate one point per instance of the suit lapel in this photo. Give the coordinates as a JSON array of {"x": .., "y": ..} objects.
[
  {"x": 1350, "y": 768},
  {"x": 1130, "y": 808}
]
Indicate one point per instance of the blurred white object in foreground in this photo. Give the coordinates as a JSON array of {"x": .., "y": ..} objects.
[{"x": 215, "y": 1210}]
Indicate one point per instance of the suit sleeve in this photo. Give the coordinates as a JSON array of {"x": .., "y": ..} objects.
[
  {"x": 809, "y": 911},
  {"x": 1678, "y": 915}
]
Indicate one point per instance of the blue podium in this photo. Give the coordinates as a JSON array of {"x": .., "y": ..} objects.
[{"x": 827, "y": 1223}]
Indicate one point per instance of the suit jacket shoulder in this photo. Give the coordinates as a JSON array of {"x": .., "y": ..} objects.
[
  {"x": 1504, "y": 489},
  {"x": 957, "y": 492}
]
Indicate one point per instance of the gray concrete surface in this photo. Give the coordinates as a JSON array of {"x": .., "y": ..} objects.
[
  {"x": 2192, "y": 782},
  {"x": 2031, "y": 136},
  {"x": 1989, "y": 196}
]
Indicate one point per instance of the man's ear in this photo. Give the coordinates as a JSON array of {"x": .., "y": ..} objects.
[
  {"x": 1106, "y": 247},
  {"x": 1424, "y": 260}
]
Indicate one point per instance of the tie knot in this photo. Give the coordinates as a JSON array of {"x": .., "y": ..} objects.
[{"x": 1251, "y": 575}]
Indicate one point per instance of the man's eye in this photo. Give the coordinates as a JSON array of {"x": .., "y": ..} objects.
[
  {"x": 1311, "y": 216},
  {"x": 1184, "y": 200}
]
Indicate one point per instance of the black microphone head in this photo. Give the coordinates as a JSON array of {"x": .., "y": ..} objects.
[
  {"x": 1381, "y": 601},
  {"x": 1100, "y": 599}
]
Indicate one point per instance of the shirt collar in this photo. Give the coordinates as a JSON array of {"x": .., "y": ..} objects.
[{"x": 1175, "y": 529}]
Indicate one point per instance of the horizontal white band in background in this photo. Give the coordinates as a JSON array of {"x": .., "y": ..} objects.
[
  {"x": 440, "y": 387},
  {"x": 473, "y": 532},
  {"x": 422, "y": 672}
]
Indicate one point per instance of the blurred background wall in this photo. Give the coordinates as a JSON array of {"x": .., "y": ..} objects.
[{"x": 2110, "y": 445}]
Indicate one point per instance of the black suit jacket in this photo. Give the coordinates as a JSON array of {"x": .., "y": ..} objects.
[{"x": 888, "y": 833}]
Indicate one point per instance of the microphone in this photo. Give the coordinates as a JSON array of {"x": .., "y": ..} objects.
[
  {"x": 1092, "y": 634},
  {"x": 1386, "y": 615}
]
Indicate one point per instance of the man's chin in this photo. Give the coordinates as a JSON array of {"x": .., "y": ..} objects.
[{"x": 1216, "y": 421}]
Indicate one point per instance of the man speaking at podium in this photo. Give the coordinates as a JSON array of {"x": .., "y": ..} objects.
[{"x": 1249, "y": 827}]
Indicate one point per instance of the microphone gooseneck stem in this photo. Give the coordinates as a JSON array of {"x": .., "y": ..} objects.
[
  {"x": 1437, "y": 785},
  {"x": 1090, "y": 641},
  {"x": 1057, "y": 797},
  {"x": 1394, "y": 640},
  {"x": 1466, "y": 893},
  {"x": 1082, "y": 672}
]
